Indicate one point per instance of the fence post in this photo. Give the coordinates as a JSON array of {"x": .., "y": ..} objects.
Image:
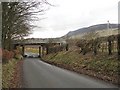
[
  {"x": 118, "y": 46},
  {"x": 67, "y": 47}
]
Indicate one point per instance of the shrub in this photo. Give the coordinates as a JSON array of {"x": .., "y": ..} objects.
[
  {"x": 18, "y": 57},
  {"x": 0, "y": 52},
  {"x": 7, "y": 55},
  {"x": 16, "y": 52}
]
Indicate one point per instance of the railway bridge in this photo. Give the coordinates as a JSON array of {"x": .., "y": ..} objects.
[{"x": 41, "y": 44}]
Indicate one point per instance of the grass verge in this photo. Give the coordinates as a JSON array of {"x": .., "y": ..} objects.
[
  {"x": 104, "y": 67},
  {"x": 0, "y": 75},
  {"x": 11, "y": 74}
]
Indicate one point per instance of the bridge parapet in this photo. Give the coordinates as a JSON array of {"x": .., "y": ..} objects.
[{"x": 41, "y": 41}]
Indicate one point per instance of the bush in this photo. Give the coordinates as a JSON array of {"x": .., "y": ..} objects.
[
  {"x": 18, "y": 57},
  {"x": 7, "y": 55},
  {"x": 16, "y": 52},
  {"x": 0, "y": 52}
]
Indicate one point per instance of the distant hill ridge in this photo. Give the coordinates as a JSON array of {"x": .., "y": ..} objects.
[{"x": 93, "y": 28}]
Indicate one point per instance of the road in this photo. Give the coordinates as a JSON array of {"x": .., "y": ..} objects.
[{"x": 38, "y": 74}]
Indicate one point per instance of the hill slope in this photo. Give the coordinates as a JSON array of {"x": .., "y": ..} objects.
[{"x": 93, "y": 28}]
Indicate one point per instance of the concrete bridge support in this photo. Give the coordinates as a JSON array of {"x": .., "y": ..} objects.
[
  {"x": 41, "y": 51},
  {"x": 47, "y": 50},
  {"x": 23, "y": 50}
]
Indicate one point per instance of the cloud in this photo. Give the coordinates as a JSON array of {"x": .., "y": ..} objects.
[{"x": 69, "y": 15}]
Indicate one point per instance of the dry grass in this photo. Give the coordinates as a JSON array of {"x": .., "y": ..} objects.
[{"x": 11, "y": 74}]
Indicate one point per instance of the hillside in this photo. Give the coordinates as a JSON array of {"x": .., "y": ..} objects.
[{"x": 94, "y": 28}]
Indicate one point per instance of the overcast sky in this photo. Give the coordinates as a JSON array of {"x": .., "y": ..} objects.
[{"x": 70, "y": 15}]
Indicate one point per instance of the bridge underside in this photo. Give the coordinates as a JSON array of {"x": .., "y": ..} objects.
[{"x": 43, "y": 47}]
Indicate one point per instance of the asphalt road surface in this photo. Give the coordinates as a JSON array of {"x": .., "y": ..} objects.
[{"x": 38, "y": 74}]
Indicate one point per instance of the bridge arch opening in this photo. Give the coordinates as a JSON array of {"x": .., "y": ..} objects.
[{"x": 32, "y": 50}]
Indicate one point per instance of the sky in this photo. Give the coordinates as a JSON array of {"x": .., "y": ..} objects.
[{"x": 70, "y": 15}]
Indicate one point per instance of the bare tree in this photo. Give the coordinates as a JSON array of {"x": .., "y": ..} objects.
[{"x": 16, "y": 17}]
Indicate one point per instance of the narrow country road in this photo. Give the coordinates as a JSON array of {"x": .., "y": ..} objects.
[{"x": 38, "y": 74}]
